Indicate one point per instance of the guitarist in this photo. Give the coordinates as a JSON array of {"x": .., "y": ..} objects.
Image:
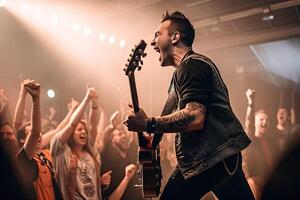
[{"x": 209, "y": 137}]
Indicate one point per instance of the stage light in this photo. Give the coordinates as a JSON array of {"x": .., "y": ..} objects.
[
  {"x": 37, "y": 13},
  {"x": 76, "y": 27},
  {"x": 25, "y": 8},
  {"x": 87, "y": 31},
  {"x": 122, "y": 43},
  {"x": 111, "y": 39},
  {"x": 267, "y": 17},
  {"x": 51, "y": 93},
  {"x": 54, "y": 19},
  {"x": 2, "y": 3},
  {"x": 102, "y": 36}
]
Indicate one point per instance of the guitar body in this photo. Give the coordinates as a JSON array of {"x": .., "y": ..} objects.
[
  {"x": 148, "y": 155},
  {"x": 150, "y": 170}
]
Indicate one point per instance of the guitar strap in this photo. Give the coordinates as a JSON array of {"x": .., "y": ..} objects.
[{"x": 168, "y": 108}]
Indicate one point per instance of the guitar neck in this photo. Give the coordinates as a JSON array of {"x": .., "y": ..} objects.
[{"x": 135, "y": 103}]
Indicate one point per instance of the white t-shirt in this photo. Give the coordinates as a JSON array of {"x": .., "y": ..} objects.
[{"x": 86, "y": 175}]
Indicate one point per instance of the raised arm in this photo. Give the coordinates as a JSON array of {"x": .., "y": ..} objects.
[
  {"x": 103, "y": 138},
  {"x": 4, "y": 107},
  {"x": 20, "y": 106},
  {"x": 76, "y": 116},
  {"x": 249, "y": 120},
  {"x": 119, "y": 191},
  {"x": 94, "y": 119},
  {"x": 33, "y": 138},
  {"x": 48, "y": 136}
]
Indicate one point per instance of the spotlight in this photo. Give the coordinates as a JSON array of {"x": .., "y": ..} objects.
[
  {"x": 54, "y": 19},
  {"x": 87, "y": 31},
  {"x": 76, "y": 27},
  {"x": 37, "y": 13},
  {"x": 2, "y": 3},
  {"x": 267, "y": 17},
  {"x": 122, "y": 43},
  {"x": 25, "y": 8},
  {"x": 51, "y": 93},
  {"x": 102, "y": 36},
  {"x": 111, "y": 39},
  {"x": 267, "y": 14}
]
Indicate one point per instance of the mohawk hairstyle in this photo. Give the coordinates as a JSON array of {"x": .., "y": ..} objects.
[{"x": 182, "y": 24}]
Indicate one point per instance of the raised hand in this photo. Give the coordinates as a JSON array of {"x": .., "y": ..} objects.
[
  {"x": 32, "y": 88},
  {"x": 72, "y": 104},
  {"x": 24, "y": 82},
  {"x": 115, "y": 119},
  {"x": 106, "y": 178},
  {"x": 250, "y": 94},
  {"x": 130, "y": 171},
  {"x": 3, "y": 99},
  {"x": 91, "y": 93}
]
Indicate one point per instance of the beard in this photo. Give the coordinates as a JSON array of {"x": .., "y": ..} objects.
[
  {"x": 165, "y": 56},
  {"x": 122, "y": 146}
]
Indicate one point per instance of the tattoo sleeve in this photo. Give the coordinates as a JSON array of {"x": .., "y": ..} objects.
[{"x": 181, "y": 121}]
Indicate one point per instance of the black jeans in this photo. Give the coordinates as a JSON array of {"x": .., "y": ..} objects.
[{"x": 217, "y": 179}]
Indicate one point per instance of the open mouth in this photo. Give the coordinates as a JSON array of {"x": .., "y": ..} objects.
[
  {"x": 82, "y": 137},
  {"x": 281, "y": 117},
  {"x": 263, "y": 126},
  {"x": 157, "y": 49}
]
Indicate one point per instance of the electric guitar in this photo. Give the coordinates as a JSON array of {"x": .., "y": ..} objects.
[{"x": 148, "y": 155}]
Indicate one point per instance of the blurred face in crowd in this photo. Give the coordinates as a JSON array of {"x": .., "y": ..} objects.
[
  {"x": 8, "y": 140},
  {"x": 282, "y": 116},
  {"x": 80, "y": 135},
  {"x": 7, "y": 132},
  {"x": 261, "y": 124},
  {"x": 121, "y": 139}
]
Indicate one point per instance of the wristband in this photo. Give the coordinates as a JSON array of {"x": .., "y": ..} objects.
[{"x": 151, "y": 125}]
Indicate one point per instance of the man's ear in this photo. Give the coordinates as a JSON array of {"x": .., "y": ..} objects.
[{"x": 175, "y": 37}]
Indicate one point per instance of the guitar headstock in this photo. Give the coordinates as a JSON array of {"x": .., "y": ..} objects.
[{"x": 135, "y": 58}]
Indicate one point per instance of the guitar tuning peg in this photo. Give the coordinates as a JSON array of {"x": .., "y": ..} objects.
[
  {"x": 130, "y": 55},
  {"x": 124, "y": 69},
  {"x": 139, "y": 68},
  {"x": 144, "y": 55},
  {"x": 126, "y": 65},
  {"x": 128, "y": 59},
  {"x": 132, "y": 50},
  {"x": 141, "y": 62}
]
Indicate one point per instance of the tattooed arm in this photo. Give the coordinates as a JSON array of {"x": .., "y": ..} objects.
[{"x": 188, "y": 119}]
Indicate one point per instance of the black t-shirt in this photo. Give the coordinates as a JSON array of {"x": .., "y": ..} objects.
[
  {"x": 281, "y": 138},
  {"x": 111, "y": 160},
  {"x": 29, "y": 172},
  {"x": 192, "y": 81}
]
